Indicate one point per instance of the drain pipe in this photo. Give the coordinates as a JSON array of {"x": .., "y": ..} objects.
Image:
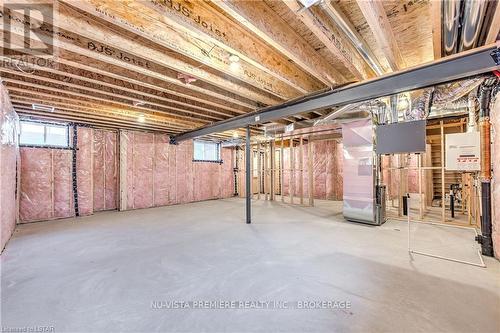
[{"x": 485, "y": 130}]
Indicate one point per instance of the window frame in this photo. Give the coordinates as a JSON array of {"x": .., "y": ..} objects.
[
  {"x": 218, "y": 148},
  {"x": 46, "y": 124}
]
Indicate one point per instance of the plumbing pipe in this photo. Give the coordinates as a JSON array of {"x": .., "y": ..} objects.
[
  {"x": 485, "y": 133},
  {"x": 356, "y": 40}
]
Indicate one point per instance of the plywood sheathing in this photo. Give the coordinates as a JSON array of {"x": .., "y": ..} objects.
[{"x": 410, "y": 23}]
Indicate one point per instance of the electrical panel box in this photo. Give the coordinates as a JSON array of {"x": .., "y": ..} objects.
[
  {"x": 407, "y": 137},
  {"x": 463, "y": 151}
]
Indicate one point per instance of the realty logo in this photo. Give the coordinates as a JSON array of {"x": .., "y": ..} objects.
[{"x": 25, "y": 27}]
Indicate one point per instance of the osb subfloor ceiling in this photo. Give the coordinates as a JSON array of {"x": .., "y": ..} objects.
[{"x": 169, "y": 65}]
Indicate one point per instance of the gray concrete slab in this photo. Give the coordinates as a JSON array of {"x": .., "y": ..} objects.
[{"x": 103, "y": 273}]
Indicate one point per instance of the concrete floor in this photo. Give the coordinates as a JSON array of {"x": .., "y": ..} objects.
[{"x": 102, "y": 273}]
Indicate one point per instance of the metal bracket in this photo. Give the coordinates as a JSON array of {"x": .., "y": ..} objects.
[{"x": 173, "y": 141}]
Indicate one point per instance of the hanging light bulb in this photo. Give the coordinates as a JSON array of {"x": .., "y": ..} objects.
[{"x": 234, "y": 58}]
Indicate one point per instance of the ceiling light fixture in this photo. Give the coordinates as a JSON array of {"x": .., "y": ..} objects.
[
  {"x": 235, "y": 135},
  {"x": 39, "y": 107},
  {"x": 234, "y": 58},
  {"x": 141, "y": 118}
]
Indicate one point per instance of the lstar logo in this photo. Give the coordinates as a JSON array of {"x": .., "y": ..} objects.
[{"x": 23, "y": 26}]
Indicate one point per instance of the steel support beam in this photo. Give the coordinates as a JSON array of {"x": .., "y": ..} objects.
[
  {"x": 458, "y": 66},
  {"x": 248, "y": 174}
]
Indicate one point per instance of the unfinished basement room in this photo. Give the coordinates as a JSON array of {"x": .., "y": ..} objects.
[{"x": 250, "y": 166}]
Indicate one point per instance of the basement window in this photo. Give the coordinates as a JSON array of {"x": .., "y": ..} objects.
[
  {"x": 206, "y": 151},
  {"x": 43, "y": 134}
]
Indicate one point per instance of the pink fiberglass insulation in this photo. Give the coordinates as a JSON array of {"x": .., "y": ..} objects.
[
  {"x": 36, "y": 190},
  {"x": 286, "y": 171},
  {"x": 320, "y": 156},
  {"x": 226, "y": 173},
  {"x": 98, "y": 170},
  {"x": 127, "y": 140},
  {"x": 46, "y": 184},
  {"x": 84, "y": 170},
  {"x": 161, "y": 170},
  {"x": 495, "y": 122},
  {"x": 327, "y": 170},
  {"x": 9, "y": 151},
  {"x": 158, "y": 173},
  {"x": 111, "y": 169},
  {"x": 413, "y": 174},
  {"x": 63, "y": 183},
  {"x": 105, "y": 170},
  {"x": 143, "y": 169},
  {"x": 331, "y": 171},
  {"x": 339, "y": 172},
  {"x": 205, "y": 181},
  {"x": 172, "y": 175},
  {"x": 184, "y": 172}
]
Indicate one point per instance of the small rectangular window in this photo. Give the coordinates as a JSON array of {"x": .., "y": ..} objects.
[
  {"x": 43, "y": 134},
  {"x": 206, "y": 151}
]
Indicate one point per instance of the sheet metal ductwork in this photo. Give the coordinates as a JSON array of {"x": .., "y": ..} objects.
[
  {"x": 472, "y": 22},
  {"x": 451, "y": 16},
  {"x": 462, "y": 24}
]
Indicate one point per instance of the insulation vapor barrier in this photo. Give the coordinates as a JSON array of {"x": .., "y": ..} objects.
[
  {"x": 46, "y": 184},
  {"x": 9, "y": 151},
  {"x": 155, "y": 173},
  {"x": 84, "y": 171},
  {"x": 327, "y": 170}
]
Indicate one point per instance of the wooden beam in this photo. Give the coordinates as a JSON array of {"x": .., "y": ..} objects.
[
  {"x": 494, "y": 26},
  {"x": 86, "y": 120},
  {"x": 96, "y": 41},
  {"x": 231, "y": 37},
  {"x": 25, "y": 104},
  {"x": 59, "y": 93},
  {"x": 262, "y": 21},
  {"x": 436, "y": 16},
  {"x": 163, "y": 25},
  {"x": 332, "y": 42},
  {"x": 376, "y": 17},
  {"x": 165, "y": 79},
  {"x": 112, "y": 85},
  {"x": 125, "y": 98}
]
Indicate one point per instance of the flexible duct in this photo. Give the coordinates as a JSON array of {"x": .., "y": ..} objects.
[
  {"x": 472, "y": 108},
  {"x": 421, "y": 102}
]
